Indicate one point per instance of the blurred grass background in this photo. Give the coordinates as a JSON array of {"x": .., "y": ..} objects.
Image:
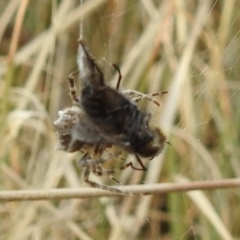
[{"x": 189, "y": 48}]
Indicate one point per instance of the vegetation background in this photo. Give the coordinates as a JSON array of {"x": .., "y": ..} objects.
[{"x": 189, "y": 48}]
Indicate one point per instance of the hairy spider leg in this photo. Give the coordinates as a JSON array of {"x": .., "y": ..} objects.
[
  {"x": 72, "y": 87},
  {"x": 97, "y": 160},
  {"x": 91, "y": 166},
  {"x": 126, "y": 165},
  {"x": 100, "y": 171},
  {"x": 147, "y": 96},
  {"x": 86, "y": 173},
  {"x": 137, "y": 96}
]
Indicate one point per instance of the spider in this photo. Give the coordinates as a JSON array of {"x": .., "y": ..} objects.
[
  {"x": 103, "y": 117},
  {"x": 71, "y": 126}
]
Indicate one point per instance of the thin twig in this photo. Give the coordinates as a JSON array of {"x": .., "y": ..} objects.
[{"x": 160, "y": 188}]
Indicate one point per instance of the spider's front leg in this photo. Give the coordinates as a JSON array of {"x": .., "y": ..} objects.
[
  {"x": 138, "y": 96},
  {"x": 72, "y": 87}
]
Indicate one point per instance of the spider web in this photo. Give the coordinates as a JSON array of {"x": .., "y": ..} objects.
[{"x": 197, "y": 114}]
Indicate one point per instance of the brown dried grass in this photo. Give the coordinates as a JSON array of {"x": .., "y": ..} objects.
[{"x": 189, "y": 48}]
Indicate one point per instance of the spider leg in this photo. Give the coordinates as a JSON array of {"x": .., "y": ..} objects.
[
  {"x": 137, "y": 96},
  {"x": 86, "y": 174},
  {"x": 137, "y": 99},
  {"x": 100, "y": 171},
  {"x": 129, "y": 164},
  {"x": 93, "y": 166},
  {"x": 72, "y": 87},
  {"x": 140, "y": 162},
  {"x": 119, "y": 75}
]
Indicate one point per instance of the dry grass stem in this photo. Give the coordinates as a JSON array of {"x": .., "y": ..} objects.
[{"x": 146, "y": 189}]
